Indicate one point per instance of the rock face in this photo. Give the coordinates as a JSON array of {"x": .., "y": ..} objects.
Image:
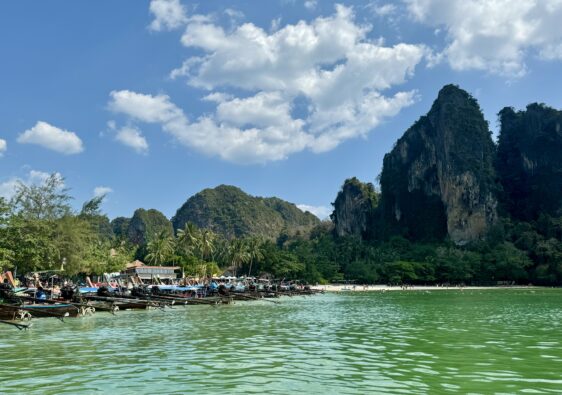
[
  {"x": 145, "y": 224},
  {"x": 439, "y": 179},
  {"x": 120, "y": 227},
  {"x": 231, "y": 212},
  {"x": 354, "y": 208},
  {"x": 530, "y": 161}
]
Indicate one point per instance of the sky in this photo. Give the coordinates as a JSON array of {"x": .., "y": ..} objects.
[{"x": 149, "y": 102}]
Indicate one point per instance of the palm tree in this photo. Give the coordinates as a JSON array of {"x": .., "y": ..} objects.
[
  {"x": 255, "y": 252},
  {"x": 160, "y": 248},
  {"x": 206, "y": 244},
  {"x": 188, "y": 239},
  {"x": 237, "y": 254}
]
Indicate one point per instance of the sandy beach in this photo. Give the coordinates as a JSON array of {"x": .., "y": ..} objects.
[{"x": 384, "y": 288}]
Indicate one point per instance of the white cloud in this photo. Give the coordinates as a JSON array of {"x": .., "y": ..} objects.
[
  {"x": 101, "y": 191},
  {"x": 251, "y": 145},
  {"x": 34, "y": 177},
  {"x": 234, "y": 14},
  {"x": 383, "y": 10},
  {"x": 310, "y": 4},
  {"x": 321, "y": 212},
  {"x": 168, "y": 15},
  {"x": 8, "y": 188},
  {"x": 275, "y": 24},
  {"x": 53, "y": 138},
  {"x": 494, "y": 35},
  {"x": 311, "y": 85},
  {"x": 146, "y": 108},
  {"x": 132, "y": 137},
  {"x": 3, "y": 147}
]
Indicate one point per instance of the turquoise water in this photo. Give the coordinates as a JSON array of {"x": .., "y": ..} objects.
[{"x": 494, "y": 341}]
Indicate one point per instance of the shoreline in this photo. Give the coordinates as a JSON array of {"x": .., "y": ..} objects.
[{"x": 384, "y": 288}]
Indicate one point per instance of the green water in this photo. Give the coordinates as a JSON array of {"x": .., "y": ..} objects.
[{"x": 496, "y": 341}]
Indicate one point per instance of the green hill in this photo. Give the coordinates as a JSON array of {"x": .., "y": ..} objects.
[
  {"x": 229, "y": 211},
  {"x": 146, "y": 224}
]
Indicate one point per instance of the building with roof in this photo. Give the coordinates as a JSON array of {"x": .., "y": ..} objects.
[{"x": 146, "y": 272}]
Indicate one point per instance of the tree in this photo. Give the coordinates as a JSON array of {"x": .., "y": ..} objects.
[
  {"x": 205, "y": 245},
  {"x": 91, "y": 212},
  {"x": 187, "y": 239},
  {"x": 237, "y": 254},
  {"x": 507, "y": 263},
  {"x": 160, "y": 249},
  {"x": 46, "y": 201},
  {"x": 36, "y": 233},
  {"x": 6, "y": 254},
  {"x": 103, "y": 258},
  {"x": 255, "y": 252}
]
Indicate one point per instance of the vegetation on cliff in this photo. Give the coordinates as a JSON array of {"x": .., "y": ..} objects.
[
  {"x": 439, "y": 179},
  {"x": 230, "y": 212},
  {"x": 354, "y": 208},
  {"x": 440, "y": 185},
  {"x": 529, "y": 161},
  {"x": 147, "y": 224}
]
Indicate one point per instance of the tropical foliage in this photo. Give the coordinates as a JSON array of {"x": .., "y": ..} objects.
[{"x": 230, "y": 212}]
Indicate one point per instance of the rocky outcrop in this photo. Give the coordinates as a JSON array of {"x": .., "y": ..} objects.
[
  {"x": 120, "y": 227},
  {"x": 354, "y": 208},
  {"x": 530, "y": 161},
  {"x": 147, "y": 224},
  {"x": 439, "y": 179},
  {"x": 230, "y": 212}
]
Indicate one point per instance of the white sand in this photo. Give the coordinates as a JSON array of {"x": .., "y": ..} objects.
[{"x": 383, "y": 288}]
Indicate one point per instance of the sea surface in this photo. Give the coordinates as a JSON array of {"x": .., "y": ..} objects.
[{"x": 401, "y": 342}]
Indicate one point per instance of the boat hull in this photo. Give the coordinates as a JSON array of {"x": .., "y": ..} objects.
[{"x": 39, "y": 311}]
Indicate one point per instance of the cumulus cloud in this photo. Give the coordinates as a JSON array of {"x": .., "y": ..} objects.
[
  {"x": 101, "y": 191},
  {"x": 322, "y": 212},
  {"x": 307, "y": 86},
  {"x": 52, "y": 138},
  {"x": 133, "y": 138},
  {"x": 209, "y": 136},
  {"x": 3, "y": 147},
  {"x": 493, "y": 35},
  {"x": 8, "y": 188},
  {"x": 168, "y": 15}
]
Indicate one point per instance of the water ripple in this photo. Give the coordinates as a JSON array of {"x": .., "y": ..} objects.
[{"x": 394, "y": 343}]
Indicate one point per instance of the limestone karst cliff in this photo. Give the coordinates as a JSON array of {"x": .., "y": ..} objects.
[
  {"x": 354, "y": 208},
  {"x": 439, "y": 179},
  {"x": 147, "y": 224},
  {"x": 529, "y": 161}
]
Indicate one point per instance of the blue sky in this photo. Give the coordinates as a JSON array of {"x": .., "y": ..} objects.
[{"x": 152, "y": 101}]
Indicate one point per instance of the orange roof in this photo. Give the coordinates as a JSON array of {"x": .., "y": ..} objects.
[{"x": 136, "y": 263}]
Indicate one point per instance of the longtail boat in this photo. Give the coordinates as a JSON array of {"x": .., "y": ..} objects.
[{"x": 14, "y": 312}]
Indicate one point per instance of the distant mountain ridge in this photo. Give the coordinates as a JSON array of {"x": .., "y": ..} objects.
[{"x": 231, "y": 212}]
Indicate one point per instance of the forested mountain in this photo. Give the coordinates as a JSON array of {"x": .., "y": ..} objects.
[{"x": 230, "y": 212}]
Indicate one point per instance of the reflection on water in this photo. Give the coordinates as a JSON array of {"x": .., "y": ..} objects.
[{"x": 397, "y": 342}]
